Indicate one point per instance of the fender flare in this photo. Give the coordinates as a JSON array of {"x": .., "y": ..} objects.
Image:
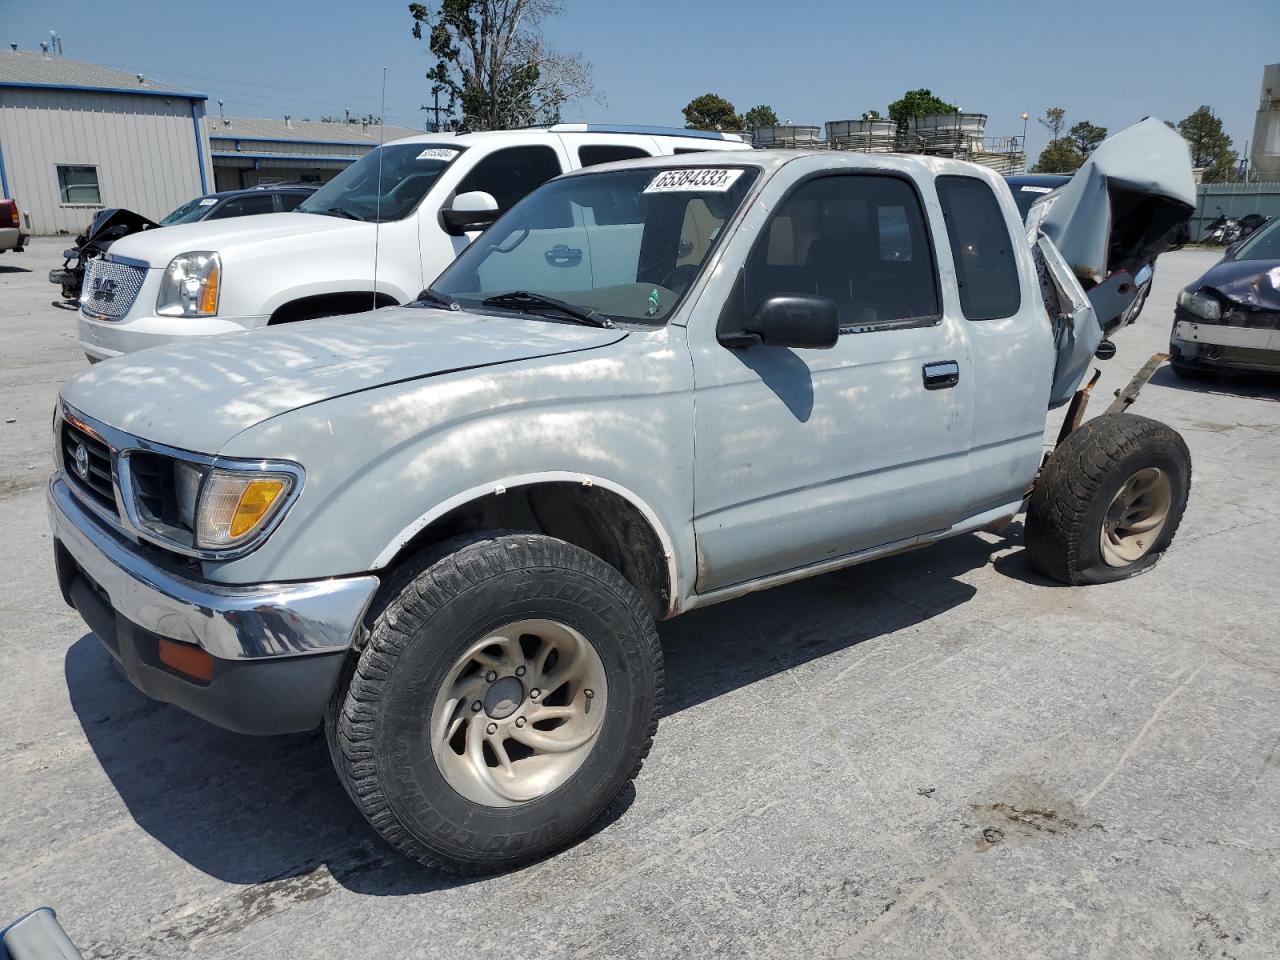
[{"x": 412, "y": 529}]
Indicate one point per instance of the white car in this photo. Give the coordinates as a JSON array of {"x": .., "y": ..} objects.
[{"x": 374, "y": 236}]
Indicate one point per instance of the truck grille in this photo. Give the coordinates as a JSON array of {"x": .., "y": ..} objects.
[
  {"x": 110, "y": 288},
  {"x": 87, "y": 463}
]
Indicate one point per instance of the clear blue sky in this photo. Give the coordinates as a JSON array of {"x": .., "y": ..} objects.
[{"x": 812, "y": 60}]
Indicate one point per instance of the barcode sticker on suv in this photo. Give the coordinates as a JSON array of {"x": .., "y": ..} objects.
[
  {"x": 438, "y": 153},
  {"x": 693, "y": 180}
]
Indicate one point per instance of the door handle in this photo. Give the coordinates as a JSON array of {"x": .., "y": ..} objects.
[
  {"x": 941, "y": 375},
  {"x": 562, "y": 255}
]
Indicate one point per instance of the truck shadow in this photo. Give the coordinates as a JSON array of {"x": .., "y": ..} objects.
[{"x": 270, "y": 811}]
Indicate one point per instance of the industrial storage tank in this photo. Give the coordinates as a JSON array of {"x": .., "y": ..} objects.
[
  {"x": 868, "y": 136},
  {"x": 789, "y": 135},
  {"x": 950, "y": 131}
]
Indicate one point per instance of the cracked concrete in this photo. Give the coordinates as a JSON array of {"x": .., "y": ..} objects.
[{"x": 939, "y": 754}]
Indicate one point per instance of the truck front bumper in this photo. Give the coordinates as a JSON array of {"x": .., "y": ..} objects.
[
  {"x": 276, "y": 650},
  {"x": 104, "y": 339}
]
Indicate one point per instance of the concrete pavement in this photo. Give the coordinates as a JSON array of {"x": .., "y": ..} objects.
[{"x": 938, "y": 754}]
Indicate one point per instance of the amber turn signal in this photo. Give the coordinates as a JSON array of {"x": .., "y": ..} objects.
[{"x": 186, "y": 659}]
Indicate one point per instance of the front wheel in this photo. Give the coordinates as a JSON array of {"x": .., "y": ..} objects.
[
  {"x": 508, "y": 694},
  {"x": 1108, "y": 502}
]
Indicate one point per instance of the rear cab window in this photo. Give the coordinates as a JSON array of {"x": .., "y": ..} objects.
[{"x": 983, "y": 251}]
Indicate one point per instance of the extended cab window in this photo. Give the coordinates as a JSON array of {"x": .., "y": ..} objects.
[
  {"x": 859, "y": 240},
  {"x": 507, "y": 175},
  {"x": 592, "y": 154},
  {"x": 981, "y": 247}
]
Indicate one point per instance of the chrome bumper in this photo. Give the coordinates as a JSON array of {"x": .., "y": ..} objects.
[{"x": 228, "y": 622}]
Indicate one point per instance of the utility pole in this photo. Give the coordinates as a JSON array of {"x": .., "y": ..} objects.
[{"x": 435, "y": 110}]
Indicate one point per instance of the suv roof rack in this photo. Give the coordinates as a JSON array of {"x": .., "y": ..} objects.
[{"x": 645, "y": 129}]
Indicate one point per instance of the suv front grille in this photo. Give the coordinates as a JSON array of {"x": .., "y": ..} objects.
[
  {"x": 88, "y": 465},
  {"x": 110, "y": 288},
  {"x": 1253, "y": 319}
]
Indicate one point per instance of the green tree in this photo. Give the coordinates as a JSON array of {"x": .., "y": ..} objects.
[
  {"x": 711, "y": 112},
  {"x": 491, "y": 61},
  {"x": 1210, "y": 145},
  {"x": 757, "y": 117},
  {"x": 1054, "y": 120},
  {"x": 918, "y": 103},
  {"x": 1086, "y": 136},
  {"x": 1060, "y": 156}
]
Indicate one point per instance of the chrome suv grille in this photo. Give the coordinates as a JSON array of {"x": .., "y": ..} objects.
[
  {"x": 87, "y": 463},
  {"x": 110, "y": 288}
]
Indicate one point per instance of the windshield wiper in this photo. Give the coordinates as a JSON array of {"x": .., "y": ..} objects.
[
  {"x": 529, "y": 302},
  {"x": 344, "y": 213},
  {"x": 438, "y": 299}
]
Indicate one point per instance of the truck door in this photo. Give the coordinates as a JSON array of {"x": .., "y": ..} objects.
[{"x": 811, "y": 455}]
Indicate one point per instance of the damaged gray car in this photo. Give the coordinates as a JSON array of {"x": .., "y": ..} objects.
[{"x": 1230, "y": 317}]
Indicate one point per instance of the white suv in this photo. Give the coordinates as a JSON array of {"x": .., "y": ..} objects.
[{"x": 374, "y": 236}]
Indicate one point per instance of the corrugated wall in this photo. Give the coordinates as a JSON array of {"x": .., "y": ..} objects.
[
  {"x": 144, "y": 147},
  {"x": 1232, "y": 200}
]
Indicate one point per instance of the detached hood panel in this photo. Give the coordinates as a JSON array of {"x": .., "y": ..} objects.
[
  {"x": 1119, "y": 210},
  {"x": 199, "y": 395}
]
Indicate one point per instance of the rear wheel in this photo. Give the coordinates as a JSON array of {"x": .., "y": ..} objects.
[
  {"x": 507, "y": 695},
  {"x": 1108, "y": 502}
]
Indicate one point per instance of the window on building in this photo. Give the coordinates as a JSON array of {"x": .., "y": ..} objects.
[
  {"x": 78, "y": 184},
  {"x": 858, "y": 240},
  {"x": 981, "y": 248},
  {"x": 590, "y": 155},
  {"x": 507, "y": 175}
]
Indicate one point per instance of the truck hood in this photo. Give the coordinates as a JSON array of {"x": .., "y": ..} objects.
[
  {"x": 160, "y": 245},
  {"x": 198, "y": 395}
]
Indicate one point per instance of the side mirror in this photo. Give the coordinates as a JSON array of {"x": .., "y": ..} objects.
[
  {"x": 474, "y": 210},
  {"x": 1230, "y": 253},
  {"x": 793, "y": 320}
]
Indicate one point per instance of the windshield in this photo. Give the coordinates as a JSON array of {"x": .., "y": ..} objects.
[
  {"x": 190, "y": 212},
  {"x": 626, "y": 245},
  {"x": 390, "y": 190},
  {"x": 1263, "y": 245}
]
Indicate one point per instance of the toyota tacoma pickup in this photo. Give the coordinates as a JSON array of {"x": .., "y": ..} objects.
[
  {"x": 445, "y": 531},
  {"x": 373, "y": 236}
]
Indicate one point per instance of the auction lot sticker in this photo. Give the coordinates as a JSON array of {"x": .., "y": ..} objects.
[
  {"x": 700, "y": 180},
  {"x": 438, "y": 153}
]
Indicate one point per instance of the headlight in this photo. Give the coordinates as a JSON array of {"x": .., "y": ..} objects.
[
  {"x": 190, "y": 285},
  {"x": 235, "y": 505},
  {"x": 205, "y": 507},
  {"x": 1200, "y": 305}
]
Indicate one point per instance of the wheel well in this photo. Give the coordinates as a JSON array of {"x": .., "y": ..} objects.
[
  {"x": 597, "y": 520},
  {"x": 330, "y": 304}
]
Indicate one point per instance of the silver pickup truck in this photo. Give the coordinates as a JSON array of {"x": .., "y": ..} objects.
[{"x": 446, "y": 530}]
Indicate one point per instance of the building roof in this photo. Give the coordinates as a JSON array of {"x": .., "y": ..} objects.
[
  {"x": 29, "y": 68},
  {"x": 304, "y": 131}
]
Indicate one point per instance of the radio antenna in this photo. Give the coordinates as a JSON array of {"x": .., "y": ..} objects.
[{"x": 377, "y": 206}]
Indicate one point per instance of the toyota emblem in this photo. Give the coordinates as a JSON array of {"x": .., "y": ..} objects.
[{"x": 81, "y": 457}]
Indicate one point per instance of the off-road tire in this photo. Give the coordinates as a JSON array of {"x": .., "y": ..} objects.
[
  {"x": 1078, "y": 484},
  {"x": 431, "y": 610}
]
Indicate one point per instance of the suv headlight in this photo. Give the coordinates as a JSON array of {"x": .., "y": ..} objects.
[
  {"x": 1200, "y": 305},
  {"x": 190, "y": 285}
]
